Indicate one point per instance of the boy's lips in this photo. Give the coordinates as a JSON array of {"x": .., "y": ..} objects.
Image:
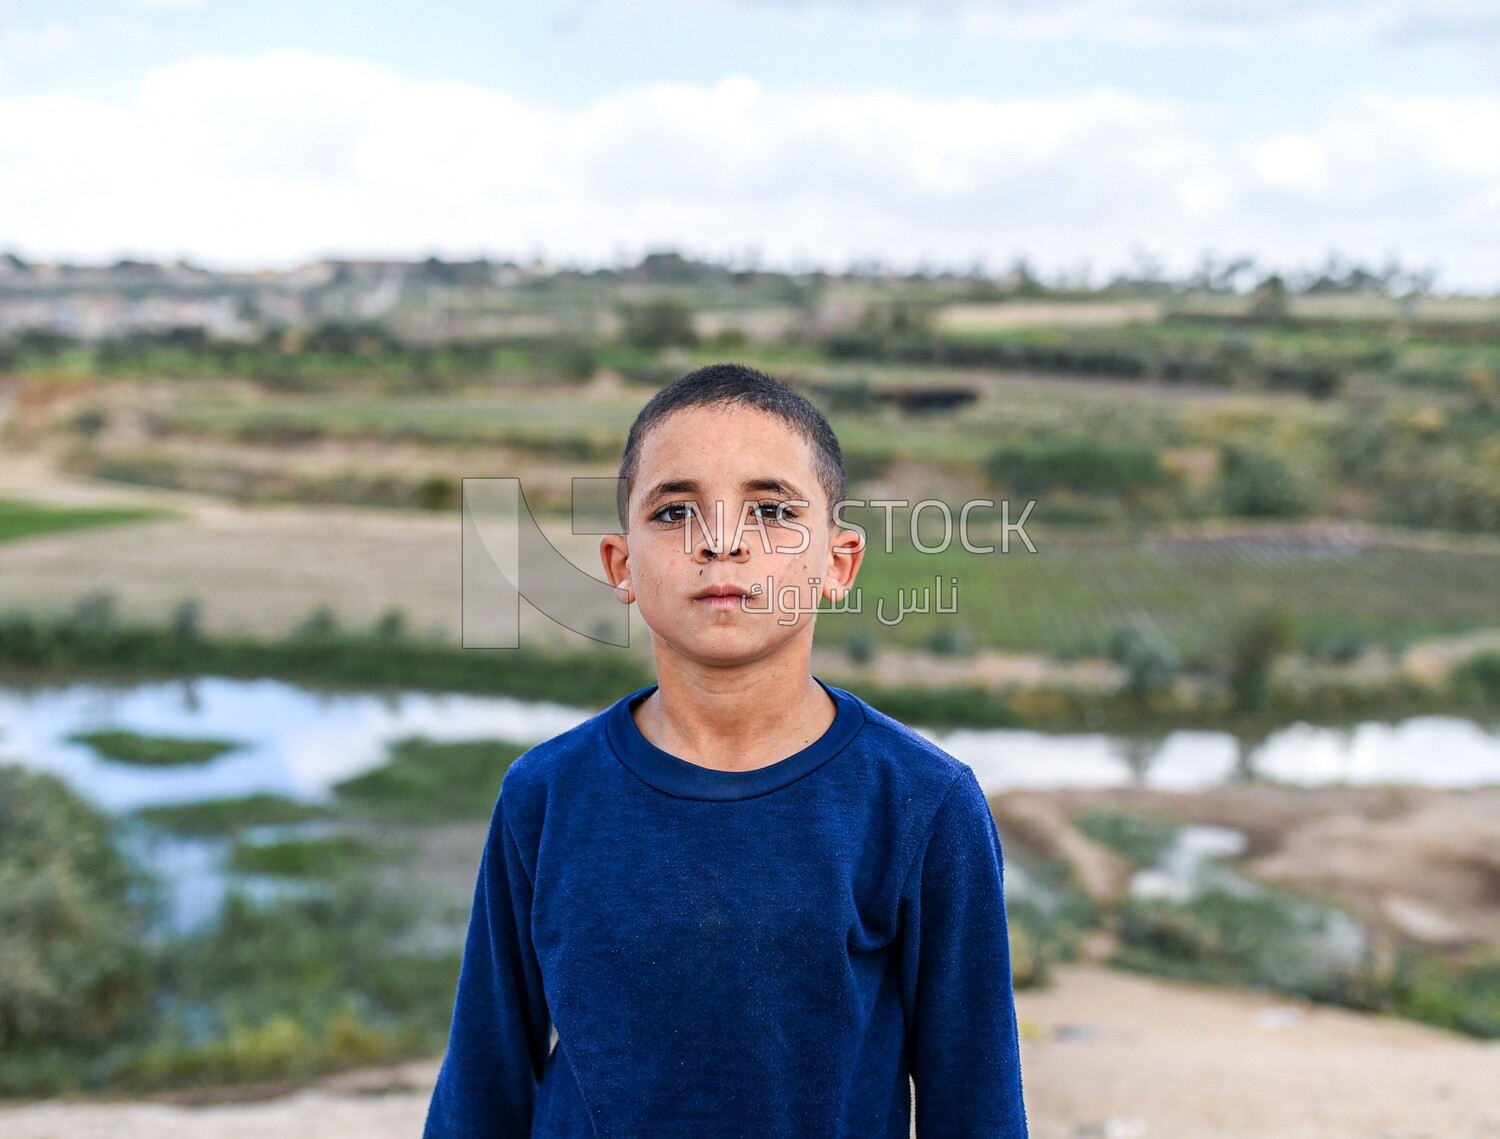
[
  {"x": 722, "y": 590},
  {"x": 721, "y": 596}
]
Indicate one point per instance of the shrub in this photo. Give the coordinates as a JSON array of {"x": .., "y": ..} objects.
[
  {"x": 660, "y": 323},
  {"x": 1150, "y": 661},
  {"x": 221, "y": 816},
  {"x": 1256, "y": 642},
  {"x": 861, "y": 647},
  {"x": 1076, "y": 464},
  {"x": 433, "y": 780},
  {"x": 301, "y": 858},
  {"x": 187, "y": 620},
  {"x": 950, "y": 641},
  {"x": 72, "y": 915},
  {"x": 1138, "y": 838},
  {"x": 849, "y": 396},
  {"x": 1258, "y": 483},
  {"x": 1480, "y": 673},
  {"x": 319, "y": 623}
]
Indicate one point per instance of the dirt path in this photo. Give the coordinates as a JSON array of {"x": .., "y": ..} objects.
[
  {"x": 1105, "y": 1055},
  {"x": 1126, "y": 1057}
]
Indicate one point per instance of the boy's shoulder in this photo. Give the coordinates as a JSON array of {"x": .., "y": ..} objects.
[
  {"x": 922, "y": 766},
  {"x": 530, "y": 772},
  {"x": 911, "y": 769}
]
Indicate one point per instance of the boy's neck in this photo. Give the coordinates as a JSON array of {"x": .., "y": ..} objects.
[{"x": 728, "y": 722}]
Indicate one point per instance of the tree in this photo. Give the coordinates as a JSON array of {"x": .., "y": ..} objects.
[
  {"x": 660, "y": 323},
  {"x": 1150, "y": 660},
  {"x": 1258, "y": 639},
  {"x": 1268, "y": 303}
]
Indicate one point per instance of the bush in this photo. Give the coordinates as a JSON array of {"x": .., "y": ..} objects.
[
  {"x": 1150, "y": 661},
  {"x": 1257, "y": 640},
  {"x": 1075, "y": 464},
  {"x": 187, "y": 620},
  {"x": 301, "y": 858},
  {"x": 426, "y": 779},
  {"x": 949, "y": 641},
  {"x": 1464, "y": 996},
  {"x": 1264, "y": 938},
  {"x": 658, "y": 324},
  {"x": 223, "y": 816},
  {"x": 1450, "y": 491},
  {"x": 849, "y": 396},
  {"x": 1140, "y": 839},
  {"x": 72, "y": 916},
  {"x": 861, "y": 647},
  {"x": 391, "y": 625},
  {"x": 1047, "y": 916},
  {"x": 1258, "y": 483},
  {"x": 861, "y": 464},
  {"x": 1480, "y": 673},
  {"x": 1338, "y": 647},
  {"x": 319, "y": 623}
]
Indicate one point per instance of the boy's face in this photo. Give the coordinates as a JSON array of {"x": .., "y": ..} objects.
[{"x": 705, "y": 511}]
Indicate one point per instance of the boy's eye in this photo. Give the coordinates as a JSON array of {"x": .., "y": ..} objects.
[
  {"x": 683, "y": 506},
  {"x": 780, "y": 511}
]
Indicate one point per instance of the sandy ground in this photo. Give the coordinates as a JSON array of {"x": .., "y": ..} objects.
[
  {"x": 1417, "y": 863},
  {"x": 1105, "y": 1055}
]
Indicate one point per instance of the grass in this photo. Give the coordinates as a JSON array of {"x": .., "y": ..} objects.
[
  {"x": 289, "y": 989},
  {"x": 1266, "y": 938},
  {"x": 1069, "y": 594},
  {"x": 1047, "y": 919},
  {"x": 224, "y": 816},
  {"x": 46, "y": 645},
  {"x": 1271, "y": 940},
  {"x": 1139, "y": 839},
  {"x": 24, "y": 519},
  {"x": 1464, "y": 996},
  {"x": 302, "y": 857},
  {"x": 153, "y": 751},
  {"x": 431, "y": 780},
  {"x": 298, "y": 985}
]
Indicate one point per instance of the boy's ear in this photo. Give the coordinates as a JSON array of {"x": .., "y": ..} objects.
[
  {"x": 614, "y": 552},
  {"x": 847, "y": 551}
]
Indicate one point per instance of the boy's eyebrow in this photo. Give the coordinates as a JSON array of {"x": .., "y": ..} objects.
[{"x": 768, "y": 483}]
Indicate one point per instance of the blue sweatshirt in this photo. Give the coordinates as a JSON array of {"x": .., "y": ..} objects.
[{"x": 761, "y": 954}]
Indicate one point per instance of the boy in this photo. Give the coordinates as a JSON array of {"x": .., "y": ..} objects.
[{"x": 750, "y": 903}]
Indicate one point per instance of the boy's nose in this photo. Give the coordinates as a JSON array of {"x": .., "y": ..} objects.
[{"x": 708, "y": 553}]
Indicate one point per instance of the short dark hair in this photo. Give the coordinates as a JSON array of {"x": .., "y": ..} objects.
[{"x": 723, "y": 385}]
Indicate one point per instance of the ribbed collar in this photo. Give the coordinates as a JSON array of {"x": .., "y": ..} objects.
[{"x": 686, "y": 780}]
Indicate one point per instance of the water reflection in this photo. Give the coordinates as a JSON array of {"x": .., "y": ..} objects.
[
  {"x": 1432, "y": 751},
  {"x": 298, "y": 742}
]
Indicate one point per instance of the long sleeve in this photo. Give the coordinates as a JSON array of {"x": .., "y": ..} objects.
[
  {"x": 962, "y": 1039},
  {"x": 499, "y": 1040}
]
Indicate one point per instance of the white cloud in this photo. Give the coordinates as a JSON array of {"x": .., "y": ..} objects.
[
  {"x": 291, "y": 155},
  {"x": 1174, "y": 20}
]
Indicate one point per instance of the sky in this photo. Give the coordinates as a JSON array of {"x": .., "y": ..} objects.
[{"x": 1089, "y": 136}]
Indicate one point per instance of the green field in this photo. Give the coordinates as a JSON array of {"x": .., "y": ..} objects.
[
  {"x": 1065, "y": 598},
  {"x": 25, "y": 520}
]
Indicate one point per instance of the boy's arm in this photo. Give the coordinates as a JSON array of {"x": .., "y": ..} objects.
[
  {"x": 955, "y": 978},
  {"x": 499, "y": 1040}
]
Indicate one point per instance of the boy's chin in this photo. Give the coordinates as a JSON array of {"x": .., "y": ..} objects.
[{"x": 728, "y": 646}]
